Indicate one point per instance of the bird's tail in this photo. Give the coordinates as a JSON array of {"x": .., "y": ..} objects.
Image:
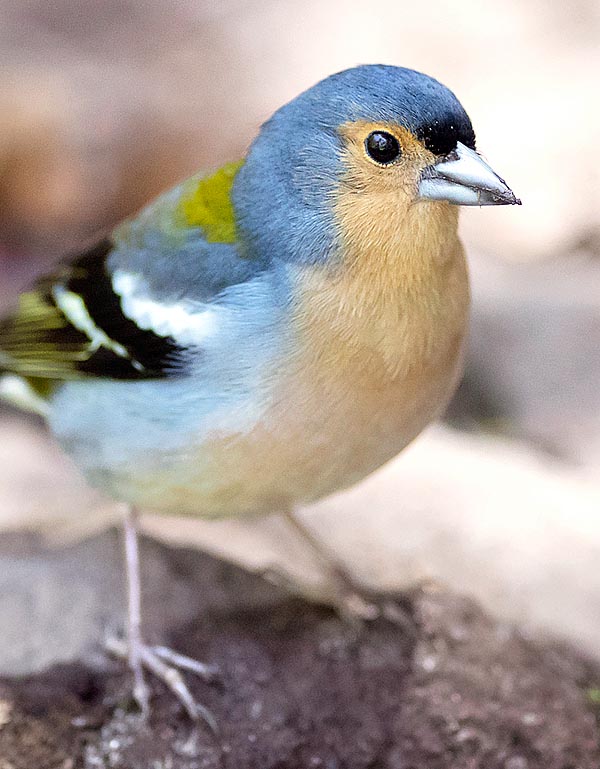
[{"x": 17, "y": 388}]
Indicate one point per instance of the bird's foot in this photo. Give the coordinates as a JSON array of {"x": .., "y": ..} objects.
[
  {"x": 353, "y": 603},
  {"x": 357, "y": 604},
  {"x": 166, "y": 665},
  {"x": 364, "y": 606}
]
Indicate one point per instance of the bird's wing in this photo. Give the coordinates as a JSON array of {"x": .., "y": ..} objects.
[{"x": 138, "y": 304}]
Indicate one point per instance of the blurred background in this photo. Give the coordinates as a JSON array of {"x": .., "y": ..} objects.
[{"x": 104, "y": 104}]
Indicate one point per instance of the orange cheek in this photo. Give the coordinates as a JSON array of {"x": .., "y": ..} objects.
[{"x": 365, "y": 175}]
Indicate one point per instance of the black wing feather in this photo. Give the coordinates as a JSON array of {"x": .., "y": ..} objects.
[{"x": 40, "y": 341}]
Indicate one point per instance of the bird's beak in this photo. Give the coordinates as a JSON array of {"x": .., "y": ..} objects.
[{"x": 465, "y": 179}]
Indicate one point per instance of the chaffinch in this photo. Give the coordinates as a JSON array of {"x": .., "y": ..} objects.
[{"x": 266, "y": 335}]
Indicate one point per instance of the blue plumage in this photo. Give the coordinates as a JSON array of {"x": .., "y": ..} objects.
[{"x": 177, "y": 262}]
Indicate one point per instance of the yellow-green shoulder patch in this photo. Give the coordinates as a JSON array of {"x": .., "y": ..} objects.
[{"x": 208, "y": 205}]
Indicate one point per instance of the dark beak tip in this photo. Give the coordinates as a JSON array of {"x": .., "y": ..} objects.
[
  {"x": 513, "y": 200},
  {"x": 510, "y": 199}
]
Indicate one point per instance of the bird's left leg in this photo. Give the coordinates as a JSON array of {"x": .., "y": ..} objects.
[
  {"x": 159, "y": 660},
  {"x": 352, "y": 600}
]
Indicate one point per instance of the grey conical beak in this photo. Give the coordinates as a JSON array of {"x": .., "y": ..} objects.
[{"x": 465, "y": 179}]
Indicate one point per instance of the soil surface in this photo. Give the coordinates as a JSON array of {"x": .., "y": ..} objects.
[{"x": 446, "y": 687}]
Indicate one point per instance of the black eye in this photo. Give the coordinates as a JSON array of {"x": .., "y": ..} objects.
[{"x": 382, "y": 147}]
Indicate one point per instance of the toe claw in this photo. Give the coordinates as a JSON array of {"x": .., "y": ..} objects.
[
  {"x": 205, "y": 715},
  {"x": 164, "y": 663},
  {"x": 141, "y": 695}
]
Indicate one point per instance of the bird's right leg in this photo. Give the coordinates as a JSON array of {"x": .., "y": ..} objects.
[
  {"x": 353, "y": 601},
  {"x": 348, "y": 598}
]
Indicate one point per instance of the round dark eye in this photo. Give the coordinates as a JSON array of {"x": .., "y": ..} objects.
[{"x": 382, "y": 147}]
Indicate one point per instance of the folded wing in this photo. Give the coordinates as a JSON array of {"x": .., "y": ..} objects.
[{"x": 139, "y": 305}]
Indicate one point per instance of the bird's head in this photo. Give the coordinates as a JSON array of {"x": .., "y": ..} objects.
[{"x": 377, "y": 140}]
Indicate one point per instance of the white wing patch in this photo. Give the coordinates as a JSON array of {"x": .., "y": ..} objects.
[
  {"x": 73, "y": 307},
  {"x": 187, "y": 322}
]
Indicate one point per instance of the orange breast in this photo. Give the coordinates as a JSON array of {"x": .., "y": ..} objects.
[{"x": 371, "y": 362}]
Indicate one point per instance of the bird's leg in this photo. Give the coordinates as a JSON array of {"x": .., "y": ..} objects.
[
  {"x": 349, "y": 597},
  {"x": 335, "y": 569},
  {"x": 353, "y": 601},
  {"x": 159, "y": 660},
  {"x": 134, "y": 611}
]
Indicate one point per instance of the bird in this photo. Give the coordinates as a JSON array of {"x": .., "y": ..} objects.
[{"x": 264, "y": 335}]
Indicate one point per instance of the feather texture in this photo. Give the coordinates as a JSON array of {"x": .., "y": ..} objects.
[
  {"x": 71, "y": 326},
  {"x": 138, "y": 305}
]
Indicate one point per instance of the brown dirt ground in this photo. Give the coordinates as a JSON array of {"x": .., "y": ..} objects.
[{"x": 298, "y": 689}]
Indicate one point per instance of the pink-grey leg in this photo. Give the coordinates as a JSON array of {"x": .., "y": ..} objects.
[{"x": 159, "y": 660}]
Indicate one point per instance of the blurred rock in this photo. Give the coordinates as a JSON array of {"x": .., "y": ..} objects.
[
  {"x": 298, "y": 688},
  {"x": 533, "y": 368},
  {"x": 56, "y": 605},
  {"x": 59, "y": 604}
]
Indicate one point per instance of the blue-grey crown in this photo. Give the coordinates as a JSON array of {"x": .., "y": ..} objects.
[{"x": 376, "y": 92}]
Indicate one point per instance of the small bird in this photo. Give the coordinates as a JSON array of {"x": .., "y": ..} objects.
[{"x": 261, "y": 337}]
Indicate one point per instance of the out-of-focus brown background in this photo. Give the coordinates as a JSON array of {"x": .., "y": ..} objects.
[{"x": 104, "y": 104}]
